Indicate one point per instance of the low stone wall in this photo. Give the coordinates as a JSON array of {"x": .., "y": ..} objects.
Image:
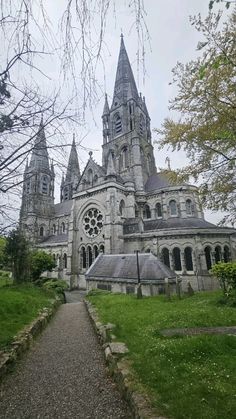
[
  {"x": 120, "y": 368},
  {"x": 24, "y": 338}
]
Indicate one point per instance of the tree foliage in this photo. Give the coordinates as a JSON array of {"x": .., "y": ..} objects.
[
  {"x": 40, "y": 262},
  {"x": 206, "y": 103},
  {"x": 17, "y": 251},
  {"x": 226, "y": 274}
]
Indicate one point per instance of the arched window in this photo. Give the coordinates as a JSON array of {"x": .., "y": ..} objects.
[
  {"x": 95, "y": 250},
  {"x": 28, "y": 187},
  {"x": 95, "y": 179},
  {"x": 122, "y": 207},
  {"x": 177, "y": 259},
  {"x": 63, "y": 227},
  {"x": 66, "y": 193},
  {"x": 118, "y": 124},
  {"x": 218, "y": 254},
  {"x": 54, "y": 229},
  {"x": 166, "y": 256},
  {"x": 136, "y": 211},
  {"x": 90, "y": 177},
  {"x": 44, "y": 185},
  {"x": 124, "y": 158},
  {"x": 41, "y": 231},
  {"x": 101, "y": 249},
  {"x": 83, "y": 258},
  {"x": 207, "y": 251},
  {"x": 173, "y": 207},
  {"x": 146, "y": 211},
  {"x": 226, "y": 254},
  {"x": 158, "y": 210},
  {"x": 188, "y": 258},
  {"x": 189, "y": 207},
  {"x": 65, "y": 260},
  {"x": 90, "y": 256}
]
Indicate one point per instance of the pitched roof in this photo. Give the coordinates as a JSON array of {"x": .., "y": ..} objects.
[
  {"x": 124, "y": 266},
  {"x": 63, "y": 208},
  {"x": 59, "y": 238},
  {"x": 157, "y": 181}
]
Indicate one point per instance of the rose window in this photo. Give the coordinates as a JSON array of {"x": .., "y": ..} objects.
[{"x": 92, "y": 222}]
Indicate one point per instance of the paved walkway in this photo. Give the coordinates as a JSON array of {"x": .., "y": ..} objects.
[{"x": 63, "y": 374}]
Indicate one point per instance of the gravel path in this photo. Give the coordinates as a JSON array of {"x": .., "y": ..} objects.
[{"x": 63, "y": 375}]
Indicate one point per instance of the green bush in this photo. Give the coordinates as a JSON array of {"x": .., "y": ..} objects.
[
  {"x": 57, "y": 285},
  {"x": 226, "y": 274},
  {"x": 40, "y": 262}
]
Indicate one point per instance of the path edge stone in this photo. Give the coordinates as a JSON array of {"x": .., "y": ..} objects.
[
  {"x": 119, "y": 369},
  {"x": 23, "y": 340}
]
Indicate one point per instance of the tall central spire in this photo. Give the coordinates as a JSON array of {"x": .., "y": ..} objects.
[
  {"x": 125, "y": 86},
  {"x": 39, "y": 159}
]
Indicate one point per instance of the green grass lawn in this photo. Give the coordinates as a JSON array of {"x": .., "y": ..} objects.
[
  {"x": 19, "y": 305},
  {"x": 186, "y": 377}
]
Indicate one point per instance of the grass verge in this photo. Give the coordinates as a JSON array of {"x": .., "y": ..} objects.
[
  {"x": 19, "y": 305},
  {"x": 185, "y": 377}
]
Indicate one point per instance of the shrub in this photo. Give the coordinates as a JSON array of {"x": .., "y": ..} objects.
[
  {"x": 226, "y": 274},
  {"x": 57, "y": 285},
  {"x": 40, "y": 262}
]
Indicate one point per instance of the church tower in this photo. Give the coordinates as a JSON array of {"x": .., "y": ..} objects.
[
  {"x": 70, "y": 182},
  {"x": 126, "y": 128},
  {"x": 38, "y": 189}
]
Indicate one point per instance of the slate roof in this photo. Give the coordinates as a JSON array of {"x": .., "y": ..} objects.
[
  {"x": 157, "y": 181},
  {"x": 124, "y": 266},
  {"x": 59, "y": 238},
  {"x": 177, "y": 223},
  {"x": 64, "y": 208}
]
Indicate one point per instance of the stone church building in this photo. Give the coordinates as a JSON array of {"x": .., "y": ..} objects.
[{"x": 122, "y": 205}]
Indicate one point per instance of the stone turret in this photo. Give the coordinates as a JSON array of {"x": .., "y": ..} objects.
[{"x": 38, "y": 187}]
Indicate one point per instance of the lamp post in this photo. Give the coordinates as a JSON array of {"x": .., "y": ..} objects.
[{"x": 139, "y": 289}]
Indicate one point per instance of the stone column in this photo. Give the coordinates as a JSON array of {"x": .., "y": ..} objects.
[
  {"x": 182, "y": 258},
  {"x": 171, "y": 261}
]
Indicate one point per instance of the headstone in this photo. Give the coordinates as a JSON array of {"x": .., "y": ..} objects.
[{"x": 190, "y": 290}]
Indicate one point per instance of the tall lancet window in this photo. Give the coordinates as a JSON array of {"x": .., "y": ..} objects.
[
  {"x": 124, "y": 158},
  {"x": 44, "y": 185},
  {"x": 141, "y": 124},
  {"x": 118, "y": 124}
]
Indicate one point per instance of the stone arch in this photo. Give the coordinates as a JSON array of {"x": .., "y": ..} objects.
[
  {"x": 189, "y": 206},
  {"x": 63, "y": 227},
  {"x": 44, "y": 184},
  {"x": 177, "y": 259},
  {"x": 165, "y": 256},
  {"x": 65, "y": 261},
  {"x": 136, "y": 211},
  {"x": 158, "y": 210},
  {"x": 188, "y": 257},
  {"x": 54, "y": 229},
  {"x": 226, "y": 254},
  {"x": 207, "y": 252},
  {"x": 124, "y": 160},
  {"x": 90, "y": 177},
  {"x": 90, "y": 255},
  {"x": 83, "y": 262},
  {"x": 218, "y": 254},
  {"x": 41, "y": 231},
  {"x": 101, "y": 248},
  {"x": 95, "y": 251},
  {"x": 122, "y": 208},
  {"x": 173, "y": 207},
  {"x": 146, "y": 211},
  {"x": 117, "y": 123}
]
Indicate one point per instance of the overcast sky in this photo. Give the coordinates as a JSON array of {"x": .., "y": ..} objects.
[{"x": 172, "y": 39}]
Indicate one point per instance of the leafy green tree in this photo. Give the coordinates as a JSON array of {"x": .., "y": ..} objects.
[
  {"x": 226, "y": 274},
  {"x": 17, "y": 251},
  {"x": 206, "y": 103},
  {"x": 40, "y": 261},
  {"x": 2, "y": 251}
]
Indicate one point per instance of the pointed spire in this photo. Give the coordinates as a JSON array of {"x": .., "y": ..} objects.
[
  {"x": 39, "y": 158},
  {"x": 110, "y": 166},
  {"x": 124, "y": 78},
  {"x": 73, "y": 163},
  {"x": 106, "y": 109}
]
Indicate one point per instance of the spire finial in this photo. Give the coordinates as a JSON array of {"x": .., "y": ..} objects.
[
  {"x": 90, "y": 154},
  {"x": 73, "y": 142}
]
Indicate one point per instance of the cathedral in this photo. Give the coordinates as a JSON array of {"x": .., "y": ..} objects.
[{"x": 120, "y": 206}]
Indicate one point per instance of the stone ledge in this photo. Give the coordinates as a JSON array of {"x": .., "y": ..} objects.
[
  {"x": 24, "y": 338},
  {"x": 119, "y": 368}
]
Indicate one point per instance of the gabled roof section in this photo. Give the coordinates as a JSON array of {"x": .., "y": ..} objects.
[
  {"x": 116, "y": 267},
  {"x": 64, "y": 208},
  {"x": 157, "y": 181},
  {"x": 125, "y": 86},
  {"x": 93, "y": 167}
]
